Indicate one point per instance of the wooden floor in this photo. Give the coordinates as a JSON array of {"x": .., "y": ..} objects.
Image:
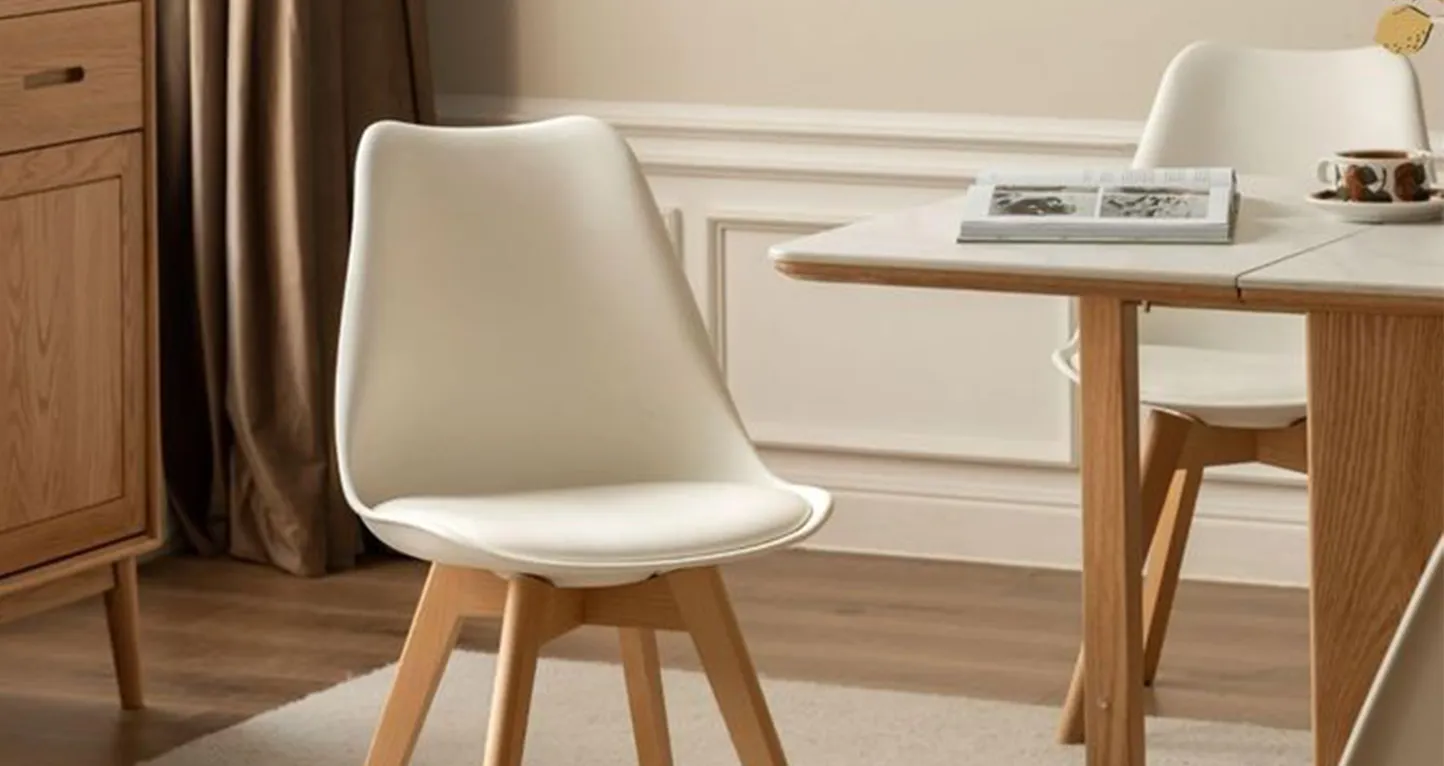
[{"x": 224, "y": 641}]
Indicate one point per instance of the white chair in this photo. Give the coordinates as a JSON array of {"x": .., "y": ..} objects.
[
  {"x": 1402, "y": 720},
  {"x": 1226, "y": 388},
  {"x": 527, "y": 399}
]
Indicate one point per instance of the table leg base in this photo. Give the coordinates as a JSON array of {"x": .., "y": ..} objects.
[{"x": 1376, "y": 497}]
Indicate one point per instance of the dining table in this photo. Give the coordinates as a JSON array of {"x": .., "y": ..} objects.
[{"x": 1373, "y": 298}]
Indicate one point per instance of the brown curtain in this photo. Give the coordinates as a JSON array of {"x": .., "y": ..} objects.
[{"x": 260, "y": 106}]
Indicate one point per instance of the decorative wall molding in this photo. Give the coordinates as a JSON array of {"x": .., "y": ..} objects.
[
  {"x": 953, "y": 132},
  {"x": 918, "y": 150},
  {"x": 829, "y": 440},
  {"x": 838, "y": 146},
  {"x": 718, "y": 225},
  {"x": 723, "y": 170}
]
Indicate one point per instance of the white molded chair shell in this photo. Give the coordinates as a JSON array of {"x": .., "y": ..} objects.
[
  {"x": 1402, "y": 720},
  {"x": 524, "y": 382},
  {"x": 1267, "y": 112}
]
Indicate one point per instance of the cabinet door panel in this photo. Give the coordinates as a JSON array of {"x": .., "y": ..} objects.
[{"x": 72, "y": 364}]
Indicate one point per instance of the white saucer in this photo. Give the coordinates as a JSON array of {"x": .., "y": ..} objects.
[{"x": 1431, "y": 209}]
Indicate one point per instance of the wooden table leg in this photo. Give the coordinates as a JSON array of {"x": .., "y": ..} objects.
[
  {"x": 1112, "y": 534},
  {"x": 1376, "y": 497}
]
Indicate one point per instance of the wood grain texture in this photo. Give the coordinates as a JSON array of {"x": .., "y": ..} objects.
[
  {"x": 122, "y": 615},
  {"x": 1165, "y": 562},
  {"x": 1193, "y": 296},
  {"x": 10, "y": 8},
  {"x": 1302, "y": 301},
  {"x": 103, "y": 43},
  {"x": 1112, "y": 533},
  {"x": 1376, "y": 496},
  {"x": 73, "y": 291},
  {"x": 59, "y": 357},
  {"x": 1286, "y": 448},
  {"x": 69, "y": 165},
  {"x": 226, "y": 640},
  {"x": 147, "y": 221},
  {"x": 645, "y": 698},
  {"x": 78, "y": 565},
  {"x": 534, "y": 612},
  {"x": 91, "y": 582},
  {"x": 1215, "y": 445},
  {"x": 428, "y": 646},
  {"x": 138, "y": 287},
  {"x": 646, "y": 604},
  {"x": 530, "y": 608},
  {"x": 79, "y": 385},
  {"x": 707, "y": 612},
  {"x": 1174, "y": 459},
  {"x": 1167, "y": 437}
]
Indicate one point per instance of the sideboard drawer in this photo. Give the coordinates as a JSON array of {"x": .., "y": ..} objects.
[{"x": 69, "y": 75}]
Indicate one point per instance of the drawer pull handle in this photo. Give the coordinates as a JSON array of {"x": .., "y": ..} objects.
[{"x": 49, "y": 78}]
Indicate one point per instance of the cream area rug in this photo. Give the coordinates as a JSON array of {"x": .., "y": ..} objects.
[{"x": 579, "y": 716}]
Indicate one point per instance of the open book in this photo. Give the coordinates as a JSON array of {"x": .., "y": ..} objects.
[{"x": 1102, "y": 205}]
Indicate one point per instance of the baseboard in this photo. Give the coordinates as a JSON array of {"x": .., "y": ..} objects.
[
  {"x": 1019, "y": 534},
  {"x": 1243, "y": 532}
]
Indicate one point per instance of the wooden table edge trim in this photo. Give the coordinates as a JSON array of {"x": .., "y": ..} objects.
[
  {"x": 1193, "y": 295},
  {"x": 1321, "y": 301}
]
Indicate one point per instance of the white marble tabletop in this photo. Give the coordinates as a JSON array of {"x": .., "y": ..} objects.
[
  {"x": 1275, "y": 223},
  {"x": 1398, "y": 263}
]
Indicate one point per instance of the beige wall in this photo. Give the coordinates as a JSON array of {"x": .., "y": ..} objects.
[{"x": 1065, "y": 58}]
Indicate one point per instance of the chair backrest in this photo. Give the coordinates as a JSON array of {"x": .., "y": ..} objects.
[
  {"x": 1402, "y": 721},
  {"x": 515, "y": 319},
  {"x": 1271, "y": 112}
]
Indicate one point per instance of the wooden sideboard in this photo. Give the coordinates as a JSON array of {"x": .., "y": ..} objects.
[{"x": 79, "y": 459}]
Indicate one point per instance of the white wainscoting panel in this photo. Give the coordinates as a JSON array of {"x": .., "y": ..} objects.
[
  {"x": 871, "y": 370},
  {"x": 934, "y": 416}
]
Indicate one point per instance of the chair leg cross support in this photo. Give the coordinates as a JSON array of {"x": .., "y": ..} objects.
[
  {"x": 534, "y": 612},
  {"x": 1173, "y": 462}
]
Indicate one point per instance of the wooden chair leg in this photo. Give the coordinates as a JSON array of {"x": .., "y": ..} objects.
[
  {"x": 1165, "y": 558},
  {"x": 122, "y": 614},
  {"x": 1167, "y": 435},
  {"x": 423, "y": 660},
  {"x": 707, "y": 615},
  {"x": 643, "y": 670},
  {"x": 526, "y": 625}
]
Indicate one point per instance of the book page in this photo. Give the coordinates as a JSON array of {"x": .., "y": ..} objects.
[{"x": 1119, "y": 195}]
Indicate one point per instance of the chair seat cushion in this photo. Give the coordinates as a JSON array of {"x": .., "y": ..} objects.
[
  {"x": 1239, "y": 389},
  {"x": 651, "y": 525}
]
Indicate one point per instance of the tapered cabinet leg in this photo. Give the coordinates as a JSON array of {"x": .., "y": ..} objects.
[
  {"x": 707, "y": 614},
  {"x": 643, "y": 669},
  {"x": 423, "y": 660},
  {"x": 122, "y": 613},
  {"x": 525, "y": 626}
]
